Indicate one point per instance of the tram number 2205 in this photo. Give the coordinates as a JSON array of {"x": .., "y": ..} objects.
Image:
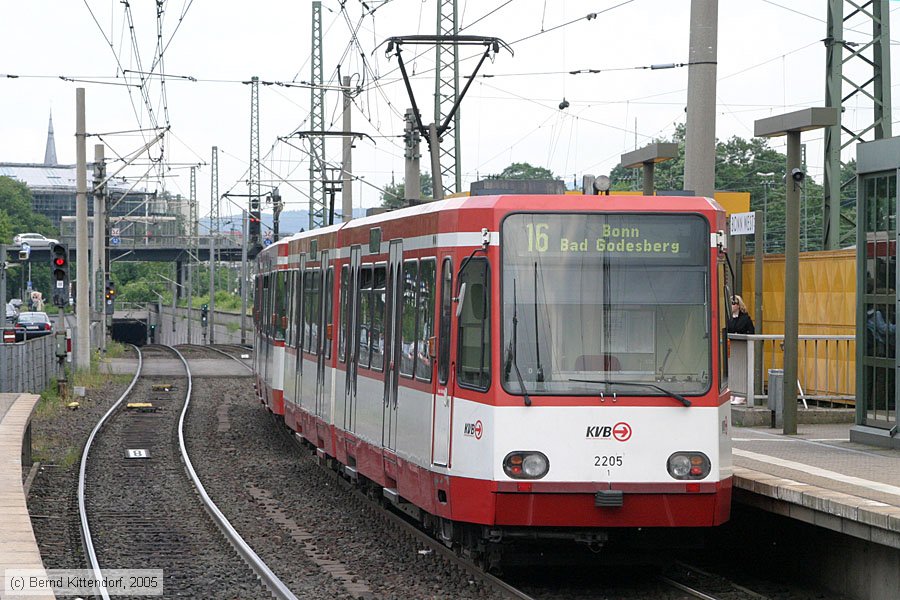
[{"x": 609, "y": 460}]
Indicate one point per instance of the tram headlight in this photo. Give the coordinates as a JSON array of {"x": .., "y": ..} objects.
[
  {"x": 688, "y": 465},
  {"x": 524, "y": 464}
]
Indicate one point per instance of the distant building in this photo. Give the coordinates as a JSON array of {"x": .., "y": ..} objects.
[{"x": 53, "y": 187}]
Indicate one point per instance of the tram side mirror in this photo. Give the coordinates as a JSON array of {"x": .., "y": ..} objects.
[
  {"x": 432, "y": 347},
  {"x": 460, "y": 299}
]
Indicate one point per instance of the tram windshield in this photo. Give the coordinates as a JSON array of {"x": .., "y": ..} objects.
[{"x": 605, "y": 298}]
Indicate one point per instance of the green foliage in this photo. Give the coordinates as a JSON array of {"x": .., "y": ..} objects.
[
  {"x": 524, "y": 171},
  {"x": 6, "y": 227},
  {"x": 16, "y": 203},
  {"x": 18, "y": 216},
  {"x": 740, "y": 164},
  {"x": 394, "y": 195}
]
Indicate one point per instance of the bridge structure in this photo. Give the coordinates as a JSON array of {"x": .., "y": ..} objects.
[{"x": 157, "y": 249}]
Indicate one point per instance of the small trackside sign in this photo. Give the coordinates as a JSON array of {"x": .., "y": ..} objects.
[{"x": 743, "y": 223}]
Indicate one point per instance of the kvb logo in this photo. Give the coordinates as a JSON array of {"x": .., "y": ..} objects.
[
  {"x": 620, "y": 431},
  {"x": 475, "y": 429}
]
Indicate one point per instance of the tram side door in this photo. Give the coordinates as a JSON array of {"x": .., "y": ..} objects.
[
  {"x": 352, "y": 337},
  {"x": 323, "y": 381},
  {"x": 298, "y": 317},
  {"x": 392, "y": 343},
  {"x": 442, "y": 400}
]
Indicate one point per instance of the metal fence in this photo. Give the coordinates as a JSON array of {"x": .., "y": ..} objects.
[
  {"x": 826, "y": 367},
  {"x": 27, "y": 366}
]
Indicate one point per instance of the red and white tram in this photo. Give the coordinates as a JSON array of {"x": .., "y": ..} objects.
[{"x": 511, "y": 364}]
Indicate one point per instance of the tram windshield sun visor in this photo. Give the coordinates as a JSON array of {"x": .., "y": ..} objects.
[
  {"x": 610, "y": 297},
  {"x": 671, "y": 394}
]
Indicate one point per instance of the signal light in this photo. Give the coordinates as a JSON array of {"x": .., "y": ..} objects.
[{"x": 59, "y": 265}]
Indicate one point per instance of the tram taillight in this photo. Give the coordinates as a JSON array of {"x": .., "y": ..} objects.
[{"x": 688, "y": 465}]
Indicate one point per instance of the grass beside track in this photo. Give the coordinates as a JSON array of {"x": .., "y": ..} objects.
[{"x": 60, "y": 448}]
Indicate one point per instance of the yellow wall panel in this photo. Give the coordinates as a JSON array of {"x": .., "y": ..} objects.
[{"x": 827, "y": 307}]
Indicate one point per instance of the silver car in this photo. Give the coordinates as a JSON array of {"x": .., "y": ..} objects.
[{"x": 34, "y": 240}]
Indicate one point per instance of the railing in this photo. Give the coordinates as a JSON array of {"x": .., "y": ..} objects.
[
  {"x": 27, "y": 366},
  {"x": 826, "y": 367}
]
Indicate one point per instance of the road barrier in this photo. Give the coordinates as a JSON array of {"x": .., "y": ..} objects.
[{"x": 27, "y": 366}]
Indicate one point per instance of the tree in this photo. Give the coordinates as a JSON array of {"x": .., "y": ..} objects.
[
  {"x": 524, "y": 171},
  {"x": 17, "y": 204},
  {"x": 17, "y": 216},
  {"x": 394, "y": 195},
  {"x": 744, "y": 166},
  {"x": 6, "y": 228}
]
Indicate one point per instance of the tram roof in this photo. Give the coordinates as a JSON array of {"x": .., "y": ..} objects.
[{"x": 543, "y": 202}]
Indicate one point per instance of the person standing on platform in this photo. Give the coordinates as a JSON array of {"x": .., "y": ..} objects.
[{"x": 740, "y": 321}]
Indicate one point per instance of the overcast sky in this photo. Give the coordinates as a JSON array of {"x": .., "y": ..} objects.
[{"x": 770, "y": 60}]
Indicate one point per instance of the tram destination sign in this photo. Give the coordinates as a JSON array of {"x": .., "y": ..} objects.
[{"x": 679, "y": 237}]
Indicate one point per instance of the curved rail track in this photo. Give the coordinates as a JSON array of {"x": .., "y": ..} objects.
[{"x": 150, "y": 531}]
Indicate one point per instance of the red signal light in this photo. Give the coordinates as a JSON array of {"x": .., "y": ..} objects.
[{"x": 59, "y": 261}]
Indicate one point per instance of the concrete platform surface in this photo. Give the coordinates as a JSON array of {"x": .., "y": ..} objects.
[
  {"x": 19, "y": 547},
  {"x": 820, "y": 476}
]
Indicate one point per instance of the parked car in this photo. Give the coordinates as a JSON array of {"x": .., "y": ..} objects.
[
  {"x": 31, "y": 325},
  {"x": 35, "y": 240}
]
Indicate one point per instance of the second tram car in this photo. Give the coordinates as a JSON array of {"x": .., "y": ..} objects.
[{"x": 511, "y": 365}]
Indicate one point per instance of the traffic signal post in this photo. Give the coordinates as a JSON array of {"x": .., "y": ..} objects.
[{"x": 59, "y": 282}]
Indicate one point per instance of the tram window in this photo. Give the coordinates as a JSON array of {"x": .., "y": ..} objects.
[
  {"x": 329, "y": 310},
  {"x": 446, "y": 308},
  {"x": 307, "y": 308},
  {"x": 298, "y": 310},
  {"x": 365, "y": 315},
  {"x": 378, "y": 306},
  {"x": 408, "y": 318},
  {"x": 342, "y": 322},
  {"x": 288, "y": 304},
  {"x": 267, "y": 315},
  {"x": 474, "y": 351},
  {"x": 425, "y": 324},
  {"x": 315, "y": 310},
  {"x": 295, "y": 307},
  {"x": 278, "y": 312}
]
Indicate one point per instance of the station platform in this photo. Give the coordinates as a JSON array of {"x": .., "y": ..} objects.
[
  {"x": 19, "y": 549},
  {"x": 820, "y": 477}
]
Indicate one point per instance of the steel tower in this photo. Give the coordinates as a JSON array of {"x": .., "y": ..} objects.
[{"x": 872, "y": 55}]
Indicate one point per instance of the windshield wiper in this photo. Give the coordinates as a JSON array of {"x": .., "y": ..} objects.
[
  {"x": 669, "y": 393},
  {"x": 537, "y": 342},
  {"x": 511, "y": 352}
]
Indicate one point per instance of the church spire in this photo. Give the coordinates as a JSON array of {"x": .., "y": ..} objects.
[{"x": 50, "y": 152}]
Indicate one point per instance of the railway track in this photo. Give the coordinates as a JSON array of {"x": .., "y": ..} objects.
[
  {"x": 238, "y": 348},
  {"x": 138, "y": 498}
]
